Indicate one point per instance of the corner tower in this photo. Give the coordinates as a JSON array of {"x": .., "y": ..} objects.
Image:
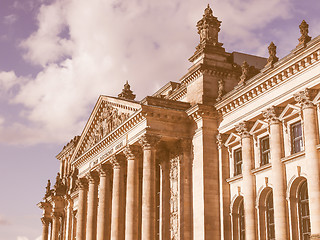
[{"x": 212, "y": 71}]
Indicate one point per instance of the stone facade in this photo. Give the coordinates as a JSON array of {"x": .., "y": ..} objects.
[{"x": 229, "y": 152}]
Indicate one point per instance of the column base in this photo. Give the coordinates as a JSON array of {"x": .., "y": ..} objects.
[{"x": 315, "y": 237}]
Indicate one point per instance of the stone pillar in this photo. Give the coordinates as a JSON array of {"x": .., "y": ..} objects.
[
  {"x": 312, "y": 158},
  {"x": 82, "y": 209},
  {"x": 248, "y": 181},
  {"x": 278, "y": 174},
  {"x": 45, "y": 227},
  {"x": 56, "y": 225},
  {"x": 148, "y": 227},
  {"x": 93, "y": 179},
  {"x": 117, "y": 221},
  {"x": 132, "y": 155},
  {"x": 103, "y": 232},
  {"x": 186, "y": 189},
  {"x": 224, "y": 189},
  {"x": 68, "y": 230}
]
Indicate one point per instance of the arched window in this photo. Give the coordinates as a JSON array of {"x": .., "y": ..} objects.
[
  {"x": 304, "y": 215},
  {"x": 242, "y": 233},
  {"x": 270, "y": 217}
]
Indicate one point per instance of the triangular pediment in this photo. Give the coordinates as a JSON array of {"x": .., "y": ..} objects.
[
  {"x": 233, "y": 138},
  {"x": 258, "y": 126},
  {"x": 108, "y": 114},
  {"x": 289, "y": 111}
]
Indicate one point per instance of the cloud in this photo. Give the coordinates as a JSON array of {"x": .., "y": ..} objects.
[
  {"x": 3, "y": 220},
  {"x": 10, "y": 19},
  {"x": 88, "y": 48},
  {"x": 22, "y": 238}
]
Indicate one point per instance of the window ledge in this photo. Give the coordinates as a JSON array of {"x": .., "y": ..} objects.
[
  {"x": 260, "y": 169},
  {"x": 235, "y": 178},
  {"x": 292, "y": 157}
]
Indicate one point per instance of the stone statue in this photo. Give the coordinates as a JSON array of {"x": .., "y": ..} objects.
[
  {"x": 220, "y": 89},
  {"x": 304, "y": 30},
  {"x": 272, "y": 54},
  {"x": 48, "y": 190},
  {"x": 245, "y": 72}
]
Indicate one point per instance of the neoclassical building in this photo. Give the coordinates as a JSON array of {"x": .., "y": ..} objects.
[{"x": 230, "y": 151}]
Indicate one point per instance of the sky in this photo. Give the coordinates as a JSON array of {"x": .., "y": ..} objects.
[{"x": 58, "y": 56}]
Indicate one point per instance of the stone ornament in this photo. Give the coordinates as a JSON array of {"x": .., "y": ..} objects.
[
  {"x": 304, "y": 30},
  {"x": 115, "y": 161},
  {"x": 93, "y": 177},
  {"x": 272, "y": 54},
  {"x": 245, "y": 72},
  {"x": 304, "y": 98},
  {"x": 149, "y": 141},
  {"x": 126, "y": 92},
  {"x": 174, "y": 198},
  {"x": 59, "y": 187},
  {"x": 132, "y": 152},
  {"x": 242, "y": 129},
  {"x": 82, "y": 183},
  {"x": 103, "y": 170},
  {"x": 45, "y": 221},
  {"x": 220, "y": 89},
  {"x": 272, "y": 114}
]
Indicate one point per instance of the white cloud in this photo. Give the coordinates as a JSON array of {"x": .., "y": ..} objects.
[
  {"x": 10, "y": 19},
  {"x": 88, "y": 48},
  {"x": 3, "y": 220},
  {"x": 22, "y": 238}
]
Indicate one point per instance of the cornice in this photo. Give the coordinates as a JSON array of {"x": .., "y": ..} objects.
[
  {"x": 283, "y": 70},
  {"x": 199, "y": 111}
]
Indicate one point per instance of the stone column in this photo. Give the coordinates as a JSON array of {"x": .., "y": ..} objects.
[
  {"x": 311, "y": 139},
  {"x": 132, "y": 155},
  {"x": 117, "y": 230},
  {"x": 45, "y": 227},
  {"x": 248, "y": 180},
  {"x": 93, "y": 179},
  {"x": 56, "y": 225},
  {"x": 82, "y": 209},
  {"x": 278, "y": 174},
  {"x": 148, "y": 227},
  {"x": 68, "y": 231},
  {"x": 104, "y": 204}
]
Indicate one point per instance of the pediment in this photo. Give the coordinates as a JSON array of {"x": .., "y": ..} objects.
[
  {"x": 289, "y": 111},
  {"x": 233, "y": 138},
  {"x": 108, "y": 114},
  {"x": 258, "y": 126}
]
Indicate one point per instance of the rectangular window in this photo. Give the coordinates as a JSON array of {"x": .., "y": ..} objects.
[
  {"x": 265, "y": 150},
  {"x": 237, "y": 157},
  {"x": 296, "y": 138}
]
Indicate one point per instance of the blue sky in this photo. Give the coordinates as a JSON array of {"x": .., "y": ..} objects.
[{"x": 58, "y": 56}]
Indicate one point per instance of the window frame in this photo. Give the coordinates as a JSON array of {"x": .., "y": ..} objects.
[
  {"x": 264, "y": 152},
  {"x": 304, "y": 235},
  {"x": 237, "y": 162},
  {"x": 294, "y": 139}
]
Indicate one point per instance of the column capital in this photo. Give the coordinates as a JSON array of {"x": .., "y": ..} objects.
[
  {"x": 116, "y": 162},
  {"x": 103, "y": 170},
  {"x": 82, "y": 183},
  {"x": 149, "y": 141},
  {"x": 93, "y": 177},
  {"x": 56, "y": 215},
  {"x": 220, "y": 139},
  {"x": 45, "y": 221},
  {"x": 304, "y": 98},
  {"x": 243, "y": 129},
  {"x": 132, "y": 152},
  {"x": 271, "y": 114}
]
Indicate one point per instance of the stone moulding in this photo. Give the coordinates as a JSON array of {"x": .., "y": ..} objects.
[{"x": 277, "y": 78}]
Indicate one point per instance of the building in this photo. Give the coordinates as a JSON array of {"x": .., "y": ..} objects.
[{"x": 231, "y": 151}]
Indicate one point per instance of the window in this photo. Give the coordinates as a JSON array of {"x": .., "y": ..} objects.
[
  {"x": 304, "y": 215},
  {"x": 296, "y": 137},
  {"x": 270, "y": 217},
  {"x": 242, "y": 232},
  {"x": 237, "y": 157},
  {"x": 265, "y": 150}
]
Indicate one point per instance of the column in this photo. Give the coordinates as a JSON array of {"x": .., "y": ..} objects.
[
  {"x": 45, "y": 227},
  {"x": 311, "y": 139},
  {"x": 56, "y": 225},
  {"x": 186, "y": 189},
  {"x": 278, "y": 174},
  {"x": 93, "y": 179},
  {"x": 224, "y": 189},
  {"x": 103, "y": 231},
  {"x": 248, "y": 180},
  {"x": 68, "y": 230},
  {"x": 117, "y": 221},
  {"x": 148, "y": 227},
  {"x": 131, "y": 231},
  {"x": 82, "y": 209}
]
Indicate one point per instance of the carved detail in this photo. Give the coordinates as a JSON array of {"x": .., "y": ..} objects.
[
  {"x": 174, "y": 198},
  {"x": 82, "y": 183},
  {"x": 115, "y": 161},
  {"x": 132, "y": 152},
  {"x": 304, "y": 98},
  {"x": 272, "y": 114},
  {"x": 103, "y": 170},
  {"x": 45, "y": 221},
  {"x": 245, "y": 72},
  {"x": 272, "y": 54},
  {"x": 126, "y": 92},
  {"x": 304, "y": 30},
  {"x": 93, "y": 177},
  {"x": 59, "y": 187},
  {"x": 149, "y": 141},
  {"x": 48, "y": 190},
  {"x": 220, "y": 89},
  {"x": 243, "y": 129},
  {"x": 220, "y": 139}
]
